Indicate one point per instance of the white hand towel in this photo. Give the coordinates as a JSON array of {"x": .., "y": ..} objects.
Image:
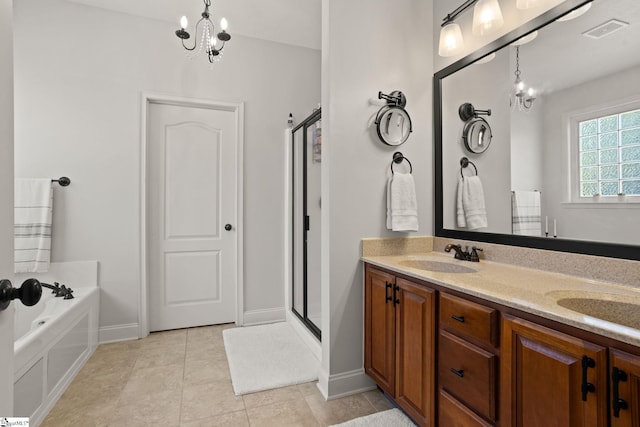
[
  {"x": 525, "y": 213},
  {"x": 33, "y": 202},
  {"x": 401, "y": 197},
  {"x": 473, "y": 204},
  {"x": 461, "y": 220}
]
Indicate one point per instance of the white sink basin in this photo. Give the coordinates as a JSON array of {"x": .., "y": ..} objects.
[{"x": 436, "y": 266}]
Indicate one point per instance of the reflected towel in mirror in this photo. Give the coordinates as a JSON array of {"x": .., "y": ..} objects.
[
  {"x": 526, "y": 219},
  {"x": 471, "y": 212}
]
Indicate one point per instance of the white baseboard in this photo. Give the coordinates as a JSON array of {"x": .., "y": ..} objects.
[
  {"x": 107, "y": 334},
  {"x": 309, "y": 339},
  {"x": 344, "y": 384},
  {"x": 259, "y": 317}
]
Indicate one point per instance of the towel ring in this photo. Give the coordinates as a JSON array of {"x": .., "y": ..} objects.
[
  {"x": 464, "y": 162},
  {"x": 398, "y": 157}
]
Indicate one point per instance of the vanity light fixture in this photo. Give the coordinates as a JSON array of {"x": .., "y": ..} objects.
[
  {"x": 208, "y": 38},
  {"x": 521, "y": 98},
  {"x": 487, "y": 17}
]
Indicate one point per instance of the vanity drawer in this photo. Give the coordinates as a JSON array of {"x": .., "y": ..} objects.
[
  {"x": 468, "y": 373},
  {"x": 453, "y": 413},
  {"x": 468, "y": 319}
]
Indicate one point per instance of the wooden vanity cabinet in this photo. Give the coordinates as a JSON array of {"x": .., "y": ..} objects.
[
  {"x": 495, "y": 366},
  {"x": 624, "y": 389},
  {"x": 549, "y": 378},
  {"x": 467, "y": 362},
  {"x": 400, "y": 341}
]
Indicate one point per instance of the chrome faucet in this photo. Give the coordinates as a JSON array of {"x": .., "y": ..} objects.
[{"x": 464, "y": 255}]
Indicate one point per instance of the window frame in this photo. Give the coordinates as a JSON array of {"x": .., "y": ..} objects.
[{"x": 573, "y": 144}]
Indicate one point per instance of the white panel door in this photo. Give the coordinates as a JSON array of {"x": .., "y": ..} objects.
[
  {"x": 191, "y": 216},
  {"x": 6, "y": 203}
]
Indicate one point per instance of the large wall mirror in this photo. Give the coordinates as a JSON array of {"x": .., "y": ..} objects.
[{"x": 574, "y": 139}]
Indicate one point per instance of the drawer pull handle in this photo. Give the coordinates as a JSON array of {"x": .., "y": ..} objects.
[
  {"x": 458, "y": 372},
  {"x": 458, "y": 318}
]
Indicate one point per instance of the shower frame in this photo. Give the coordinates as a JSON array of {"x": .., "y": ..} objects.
[{"x": 305, "y": 125}]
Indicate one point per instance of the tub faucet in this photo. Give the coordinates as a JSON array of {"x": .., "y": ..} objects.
[{"x": 60, "y": 291}]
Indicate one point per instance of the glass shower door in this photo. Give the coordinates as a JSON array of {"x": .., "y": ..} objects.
[{"x": 307, "y": 206}]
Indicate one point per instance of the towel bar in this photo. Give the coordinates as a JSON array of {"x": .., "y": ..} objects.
[{"x": 63, "y": 181}]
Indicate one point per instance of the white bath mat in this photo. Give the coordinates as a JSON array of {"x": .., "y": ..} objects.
[
  {"x": 268, "y": 356},
  {"x": 391, "y": 418}
]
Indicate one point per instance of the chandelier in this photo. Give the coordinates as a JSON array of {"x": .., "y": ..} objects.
[
  {"x": 208, "y": 37},
  {"x": 521, "y": 98}
]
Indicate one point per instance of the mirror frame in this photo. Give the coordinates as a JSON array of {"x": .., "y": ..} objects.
[{"x": 611, "y": 250}]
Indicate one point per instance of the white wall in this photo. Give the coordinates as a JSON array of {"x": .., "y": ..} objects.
[
  {"x": 610, "y": 223},
  {"x": 6, "y": 207},
  {"x": 367, "y": 46},
  {"x": 79, "y": 75}
]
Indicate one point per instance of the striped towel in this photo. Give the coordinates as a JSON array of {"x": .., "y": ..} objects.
[
  {"x": 32, "y": 225},
  {"x": 525, "y": 213}
]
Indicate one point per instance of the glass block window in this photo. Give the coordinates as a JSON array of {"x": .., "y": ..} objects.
[{"x": 609, "y": 155}]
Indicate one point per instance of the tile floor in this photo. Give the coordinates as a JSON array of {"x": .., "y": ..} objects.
[{"x": 181, "y": 378}]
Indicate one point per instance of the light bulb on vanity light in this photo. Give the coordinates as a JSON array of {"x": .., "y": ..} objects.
[
  {"x": 487, "y": 17},
  {"x": 451, "y": 41}
]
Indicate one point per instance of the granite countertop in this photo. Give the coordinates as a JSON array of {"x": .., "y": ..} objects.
[{"x": 532, "y": 291}]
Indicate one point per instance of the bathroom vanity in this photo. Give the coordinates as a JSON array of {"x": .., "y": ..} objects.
[{"x": 456, "y": 343}]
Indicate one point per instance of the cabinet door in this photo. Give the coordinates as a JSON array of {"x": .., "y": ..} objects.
[
  {"x": 625, "y": 389},
  {"x": 379, "y": 331},
  {"x": 415, "y": 338},
  {"x": 543, "y": 375}
]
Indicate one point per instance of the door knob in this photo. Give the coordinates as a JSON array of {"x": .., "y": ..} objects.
[
  {"x": 29, "y": 293},
  {"x": 228, "y": 227}
]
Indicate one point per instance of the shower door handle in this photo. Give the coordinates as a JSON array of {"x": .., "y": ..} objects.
[{"x": 29, "y": 293}]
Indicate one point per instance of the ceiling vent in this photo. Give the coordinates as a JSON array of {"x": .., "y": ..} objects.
[{"x": 606, "y": 28}]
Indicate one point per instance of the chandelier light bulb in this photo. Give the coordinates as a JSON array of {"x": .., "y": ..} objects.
[
  {"x": 487, "y": 17},
  {"x": 184, "y": 22},
  {"x": 224, "y": 24},
  {"x": 214, "y": 41}
]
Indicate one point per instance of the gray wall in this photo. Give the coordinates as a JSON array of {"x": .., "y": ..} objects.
[{"x": 79, "y": 79}]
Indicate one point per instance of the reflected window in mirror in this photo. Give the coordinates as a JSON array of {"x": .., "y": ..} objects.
[{"x": 606, "y": 155}]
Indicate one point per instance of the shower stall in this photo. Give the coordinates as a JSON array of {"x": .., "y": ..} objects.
[{"x": 306, "y": 208}]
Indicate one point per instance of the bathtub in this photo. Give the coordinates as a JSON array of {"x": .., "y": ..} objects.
[{"x": 54, "y": 338}]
